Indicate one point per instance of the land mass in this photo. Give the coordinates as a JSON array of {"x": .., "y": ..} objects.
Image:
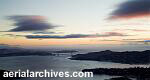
[
  {"x": 65, "y": 51},
  {"x": 9, "y": 52},
  {"x": 139, "y": 73},
  {"x": 127, "y": 57},
  {"x": 119, "y": 78},
  {"x": 23, "y": 52}
]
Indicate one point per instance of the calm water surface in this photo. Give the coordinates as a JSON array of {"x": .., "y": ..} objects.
[{"x": 57, "y": 63}]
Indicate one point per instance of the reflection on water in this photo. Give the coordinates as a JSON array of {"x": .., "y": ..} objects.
[{"x": 57, "y": 63}]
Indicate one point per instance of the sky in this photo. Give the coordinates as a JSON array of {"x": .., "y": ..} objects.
[{"x": 74, "y": 22}]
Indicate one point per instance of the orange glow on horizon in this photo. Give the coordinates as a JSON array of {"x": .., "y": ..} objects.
[{"x": 37, "y": 42}]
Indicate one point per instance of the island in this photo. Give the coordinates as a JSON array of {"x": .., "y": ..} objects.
[
  {"x": 126, "y": 57},
  {"x": 23, "y": 52},
  {"x": 65, "y": 51}
]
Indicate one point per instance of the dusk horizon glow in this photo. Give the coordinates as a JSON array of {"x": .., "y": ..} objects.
[{"x": 69, "y": 22}]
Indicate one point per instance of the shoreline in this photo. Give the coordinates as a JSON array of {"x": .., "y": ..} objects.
[{"x": 126, "y": 57}]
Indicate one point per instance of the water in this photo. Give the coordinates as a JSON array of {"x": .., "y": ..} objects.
[{"x": 57, "y": 63}]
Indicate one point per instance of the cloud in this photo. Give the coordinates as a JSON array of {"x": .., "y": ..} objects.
[
  {"x": 132, "y": 9},
  {"x": 136, "y": 41},
  {"x": 30, "y": 23},
  {"x": 132, "y": 30},
  {"x": 57, "y": 37},
  {"x": 122, "y": 40},
  {"x": 108, "y": 34},
  {"x": 14, "y": 35},
  {"x": 44, "y": 32},
  {"x": 129, "y": 41},
  {"x": 109, "y": 40},
  {"x": 146, "y": 40},
  {"x": 138, "y": 30}
]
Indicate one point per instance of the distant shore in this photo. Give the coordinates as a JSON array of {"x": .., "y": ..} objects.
[{"x": 28, "y": 52}]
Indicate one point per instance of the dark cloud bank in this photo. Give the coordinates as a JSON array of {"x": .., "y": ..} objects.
[
  {"x": 30, "y": 23},
  {"x": 39, "y": 25},
  {"x": 108, "y": 34},
  {"x": 132, "y": 9}
]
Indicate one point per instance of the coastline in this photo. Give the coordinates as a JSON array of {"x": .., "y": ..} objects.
[{"x": 126, "y": 57}]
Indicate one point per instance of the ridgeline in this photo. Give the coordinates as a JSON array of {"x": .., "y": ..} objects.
[{"x": 126, "y": 57}]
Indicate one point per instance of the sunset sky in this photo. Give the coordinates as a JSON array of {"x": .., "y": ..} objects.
[{"x": 74, "y": 22}]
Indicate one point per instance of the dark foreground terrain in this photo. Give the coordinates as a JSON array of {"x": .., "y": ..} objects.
[
  {"x": 119, "y": 78},
  {"x": 137, "y": 72},
  {"x": 127, "y": 57}
]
